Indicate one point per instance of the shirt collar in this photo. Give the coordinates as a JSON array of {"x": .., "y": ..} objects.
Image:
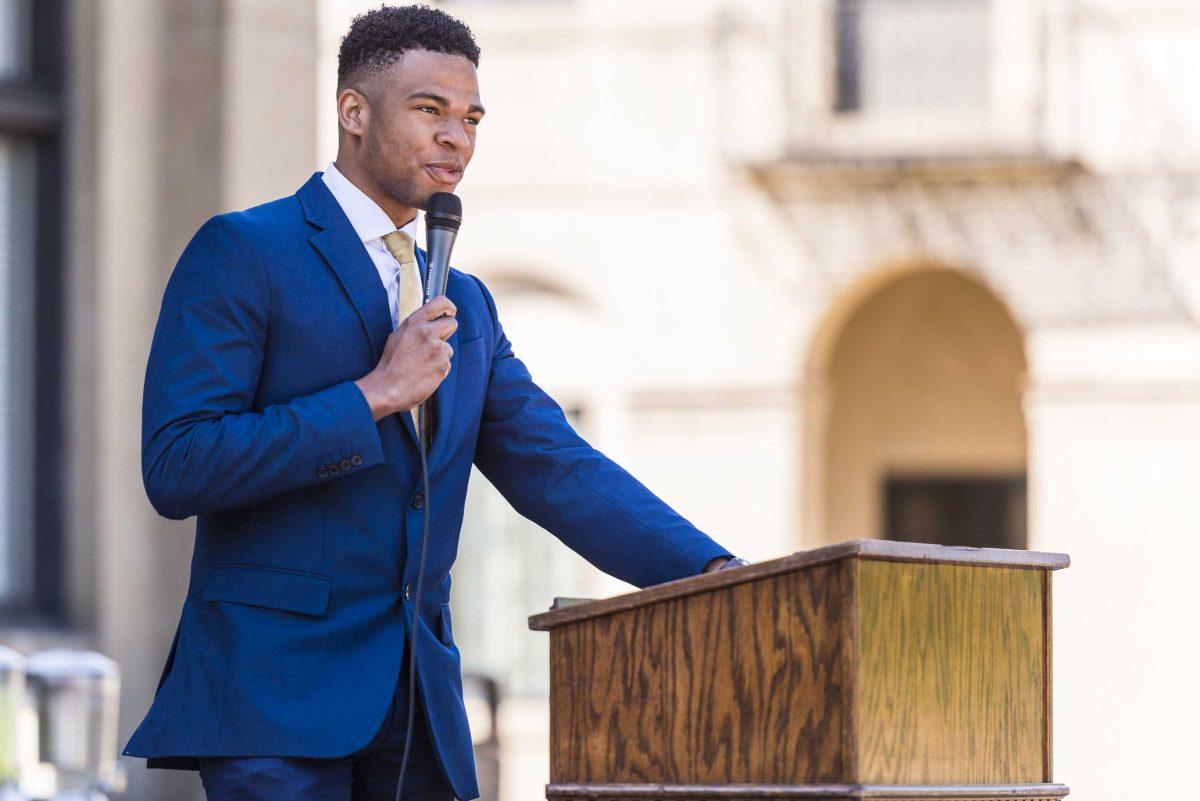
[{"x": 369, "y": 220}]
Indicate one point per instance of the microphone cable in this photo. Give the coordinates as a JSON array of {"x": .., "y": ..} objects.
[{"x": 412, "y": 649}]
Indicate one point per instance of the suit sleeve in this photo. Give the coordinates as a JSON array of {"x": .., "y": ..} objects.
[
  {"x": 528, "y": 450},
  {"x": 204, "y": 447}
]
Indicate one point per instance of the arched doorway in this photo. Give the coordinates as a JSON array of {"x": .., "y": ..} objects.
[{"x": 917, "y": 431}]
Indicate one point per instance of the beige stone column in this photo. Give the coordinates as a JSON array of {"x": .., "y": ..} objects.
[{"x": 180, "y": 110}]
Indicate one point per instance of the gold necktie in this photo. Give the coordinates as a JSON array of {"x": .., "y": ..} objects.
[{"x": 409, "y": 294}]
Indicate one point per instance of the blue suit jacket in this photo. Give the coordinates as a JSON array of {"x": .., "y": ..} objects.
[{"x": 307, "y": 509}]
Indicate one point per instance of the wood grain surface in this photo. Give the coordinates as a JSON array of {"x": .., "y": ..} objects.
[
  {"x": 748, "y": 684},
  {"x": 950, "y": 674},
  {"x": 810, "y": 792}
]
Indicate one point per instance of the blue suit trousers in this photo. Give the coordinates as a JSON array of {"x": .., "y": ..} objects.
[{"x": 368, "y": 774}]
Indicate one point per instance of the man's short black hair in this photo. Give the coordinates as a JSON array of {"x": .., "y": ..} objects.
[{"x": 380, "y": 37}]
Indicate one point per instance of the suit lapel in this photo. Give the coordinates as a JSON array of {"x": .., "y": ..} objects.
[{"x": 341, "y": 248}]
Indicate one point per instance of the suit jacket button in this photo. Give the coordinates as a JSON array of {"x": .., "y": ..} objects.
[
  {"x": 407, "y": 592},
  {"x": 356, "y": 459},
  {"x": 334, "y": 469},
  {"x": 345, "y": 464},
  {"x": 419, "y": 501},
  {"x": 322, "y": 471}
]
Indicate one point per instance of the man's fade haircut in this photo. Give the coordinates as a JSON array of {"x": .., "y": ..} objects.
[{"x": 379, "y": 38}]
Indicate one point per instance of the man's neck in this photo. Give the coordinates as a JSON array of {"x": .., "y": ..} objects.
[{"x": 400, "y": 215}]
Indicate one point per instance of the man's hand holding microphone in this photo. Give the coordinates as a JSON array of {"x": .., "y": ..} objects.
[{"x": 415, "y": 360}]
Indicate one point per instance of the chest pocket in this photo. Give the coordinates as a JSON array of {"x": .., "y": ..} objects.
[{"x": 470, "y": 352}]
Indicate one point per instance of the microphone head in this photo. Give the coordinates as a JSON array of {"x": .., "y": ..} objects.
[{"x": 444, "y": 210}]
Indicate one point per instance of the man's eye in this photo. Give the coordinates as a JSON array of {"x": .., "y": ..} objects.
[
  {"x": 472, "y": 120},
  {"x": 427, "y": 108}
]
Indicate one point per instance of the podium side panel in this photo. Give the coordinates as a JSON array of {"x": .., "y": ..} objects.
[{"x": 951, "y": 676}]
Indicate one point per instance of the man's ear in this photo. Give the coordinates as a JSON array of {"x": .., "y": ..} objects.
[{"x": 354, "y": 112}]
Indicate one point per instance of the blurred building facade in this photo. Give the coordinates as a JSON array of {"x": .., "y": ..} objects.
[
  {"x": 811, "y": 269},
  {"x": 125, "y": 124}
]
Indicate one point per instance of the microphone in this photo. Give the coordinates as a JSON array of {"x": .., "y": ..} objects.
[{"x": 443, "y": 216}]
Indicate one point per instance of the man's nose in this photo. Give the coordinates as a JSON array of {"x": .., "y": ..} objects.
[{"x": 453, "y": 132}]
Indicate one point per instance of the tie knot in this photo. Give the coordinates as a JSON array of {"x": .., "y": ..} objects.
[{"x": 400, "y": 245}]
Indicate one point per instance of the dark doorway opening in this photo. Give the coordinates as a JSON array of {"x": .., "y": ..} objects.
[{"x": 979, "y": 511}]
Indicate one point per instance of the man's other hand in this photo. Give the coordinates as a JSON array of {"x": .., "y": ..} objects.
[{"x": 722, "y": 562}]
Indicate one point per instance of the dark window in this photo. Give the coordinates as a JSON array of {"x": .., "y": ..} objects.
[
  {"x": 985, "y": 512},
  {"x": 911, "y": 55},
  {"x": 31, "y": 263},
  {"x": 849, "y": 54}
]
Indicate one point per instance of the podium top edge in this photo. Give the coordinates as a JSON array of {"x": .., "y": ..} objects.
[{"x": 881, "y": 550}]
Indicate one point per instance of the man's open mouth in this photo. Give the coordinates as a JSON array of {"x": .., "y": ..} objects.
[{"x": 444, "y": 173}]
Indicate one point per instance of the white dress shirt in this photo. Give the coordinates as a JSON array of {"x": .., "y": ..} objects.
[{"x": 371, "y": 223}]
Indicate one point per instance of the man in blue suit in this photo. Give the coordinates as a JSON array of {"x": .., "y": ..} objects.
[{"x": 276, "y": 410}]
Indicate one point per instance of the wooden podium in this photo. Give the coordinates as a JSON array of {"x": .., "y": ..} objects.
[{"x": 863, "y": 670}]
